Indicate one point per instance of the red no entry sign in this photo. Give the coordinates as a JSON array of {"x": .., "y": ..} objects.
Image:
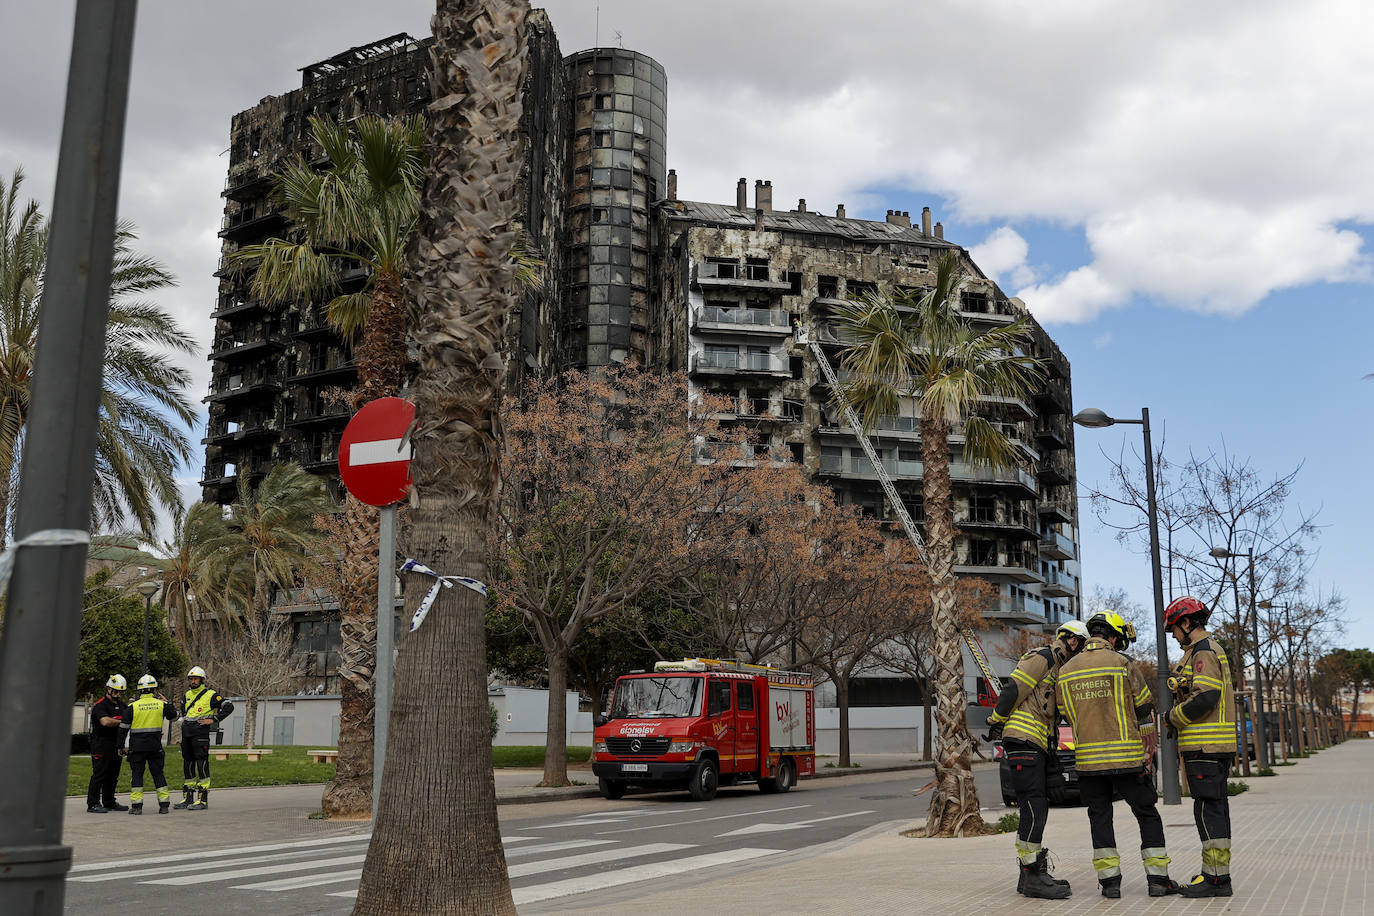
[{"x": 374, "y": 456}]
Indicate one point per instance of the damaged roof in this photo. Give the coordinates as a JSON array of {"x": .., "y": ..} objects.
[{"x": 728, "y": 217}]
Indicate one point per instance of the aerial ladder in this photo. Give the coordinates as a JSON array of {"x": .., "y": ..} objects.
[{"x": 974, "y": 646}]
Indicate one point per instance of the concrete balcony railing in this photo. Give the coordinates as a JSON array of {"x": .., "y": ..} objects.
[
  {"x": 715, "y": 363},
  {"x": 1012, "y": 564},
  {"x": 1056, "y": 546},
  {"x": 1059, "y": 583}
]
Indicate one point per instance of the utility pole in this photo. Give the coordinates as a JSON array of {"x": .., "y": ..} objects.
[{"x": 43, "y": 611}]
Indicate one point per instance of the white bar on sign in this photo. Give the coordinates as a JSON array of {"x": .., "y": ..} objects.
[{"x": 380, "y": 451}]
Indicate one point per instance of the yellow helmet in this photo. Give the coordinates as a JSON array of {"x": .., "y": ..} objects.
[{"x": 1115, "y": 623}]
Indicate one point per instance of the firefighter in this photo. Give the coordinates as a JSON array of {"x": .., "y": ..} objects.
[
  {"x": 203, "y": 711},
  {"x": 1109, "y": 706},
  {"x": 1026, "y": 719},
  {"x": 1204, "y": 716},
  {"x": 143, "y": 727},
  {"x": 106, "y": 716}
]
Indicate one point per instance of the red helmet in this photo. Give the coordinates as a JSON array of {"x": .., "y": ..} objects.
[{"x": 1180, "y": 608}]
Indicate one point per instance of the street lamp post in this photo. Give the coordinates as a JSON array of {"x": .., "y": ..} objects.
[
  {"x": 1092, "y": 418},
  {"x": 1261, "y": 726},
  {"x": 1288, "y": 637},
  {"x": 147, "y": 590}
]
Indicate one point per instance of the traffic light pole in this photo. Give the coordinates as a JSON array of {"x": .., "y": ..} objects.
[{"x": 43, "y": 611}]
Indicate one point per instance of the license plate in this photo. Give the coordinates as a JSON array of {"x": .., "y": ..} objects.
[{"x": 634, "y": 768}]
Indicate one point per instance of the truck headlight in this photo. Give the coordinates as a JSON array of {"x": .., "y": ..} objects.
[
  {"x": 599, "y": 747},
  {"x": 683, "y": 747}
]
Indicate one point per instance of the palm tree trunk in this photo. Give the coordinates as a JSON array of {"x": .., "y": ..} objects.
[
  {"x": 926, "y": 742},
  {"x": 556, "y": 733},
  {"x": 6, "y": 471},
  {"x": 436, "y": 845},
  {"x": 954, "y": 804},
  {"x": 381, "y": 359},
  {"x": 349, "y": 793}
]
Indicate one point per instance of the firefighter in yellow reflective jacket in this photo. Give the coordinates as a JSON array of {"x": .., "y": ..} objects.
[
  {"x": 142, "y": 726},
  {"x": 1109, "y": 705},
  {"x": 204, "y": 710},
  {"x": 1027, "y": 719},
  {"x": 1204, "y": 715}
]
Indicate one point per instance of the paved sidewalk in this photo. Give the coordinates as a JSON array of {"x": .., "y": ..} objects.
[{"x": 1302, "y": 848}]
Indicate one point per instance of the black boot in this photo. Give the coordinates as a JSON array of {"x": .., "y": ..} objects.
[
  {"x": 203, "y": 803},
  {"x": 1036, "y": 884},
  {"x": 1042, "y": 865},
  {"x": 188, "y": 798},
  {"x": 163, "y": 807},
  {"x": 1161, "y": 885},
  {"x": 136, "y": 808},
  {"x": 1207, "y": 886},
  {"x": 116, "y": 806},
  {"x": 1111, "y": 887}
]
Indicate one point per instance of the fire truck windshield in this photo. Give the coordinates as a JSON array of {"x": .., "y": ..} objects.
[{"x": 675, "y": 697}]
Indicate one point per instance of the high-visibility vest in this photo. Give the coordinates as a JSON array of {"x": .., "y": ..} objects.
[
  {"x": 1100, "y": 690},
  {"x": 146, "y": 717},
  {"x": 200, "y": 708},
  {"x": 1205, "y": 667}
]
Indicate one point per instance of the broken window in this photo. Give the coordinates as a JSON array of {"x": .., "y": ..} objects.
[
  {"x": 791, "y": 409},
  {"x": 604, "y": 102},
  {"x": 758, "y": 400},
  {"x": 797, "y": 451},
  {"x": 827, "y": 287},
  {"x": 857, "y": 288},
  {"x": 793, "y": 279},
  {"x": 722, "y": 268},
  {"x": 600, "y": 215},
  {"x": 756, "y": 268},
  {"x": 603, "y": 138}
]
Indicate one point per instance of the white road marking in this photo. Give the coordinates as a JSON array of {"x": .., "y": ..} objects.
[
  {"x": 611, "y": 817},
  {"x": 183, "y": 868},
  {"x": 253, "y": 872},
  {"x": 379, "y": 451},
  {"x": 702, "y": 820},
  {"x": 602, "y": 880},
  {"x": 635, "y": 873},
  {"x": 594, "y": 858},
  {"x": 771, "y": 828},
  {"x": 554, "y": 847},
  {"x": 291, "y": 884},
  {"x": 233, "y": 851}
]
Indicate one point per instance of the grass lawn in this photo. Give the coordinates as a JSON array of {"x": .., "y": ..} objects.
[{"x": 283, "y": 767}]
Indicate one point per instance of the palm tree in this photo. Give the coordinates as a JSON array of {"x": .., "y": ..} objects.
[
  {"x": 266, "y": 541},
  {"x": 144, "y": 411},
  {"x": 360, "y": 210},
  {"x": 185, "y": 578},
  {"x": 920, "y": 347},
  {"x": 436, "y": 847}
]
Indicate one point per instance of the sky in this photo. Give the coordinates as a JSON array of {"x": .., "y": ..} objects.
[{"x": 1181, "y": 193}]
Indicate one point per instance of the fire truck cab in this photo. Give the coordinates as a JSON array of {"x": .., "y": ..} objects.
[{"x": 701, "y": 723}]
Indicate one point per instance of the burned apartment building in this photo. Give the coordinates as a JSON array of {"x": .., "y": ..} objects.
[
  {"x": 730, "y": 294},
  {"x": 742, "y": 291}
]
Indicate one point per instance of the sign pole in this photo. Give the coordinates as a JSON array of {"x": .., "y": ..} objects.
[{"x": 386, "y": 636}]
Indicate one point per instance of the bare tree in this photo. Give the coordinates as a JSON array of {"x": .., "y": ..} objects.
[{"x": 254, "y": 660}]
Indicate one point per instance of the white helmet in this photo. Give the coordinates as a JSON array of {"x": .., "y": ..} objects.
[
  {"x": 197, "y": 671},
  {"x": 147, "y": 682},
  {"x": 117, "y": 682},
  {"x": 1073, "y": 628}
]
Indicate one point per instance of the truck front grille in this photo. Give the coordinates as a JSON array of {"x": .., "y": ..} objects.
[{"x": 642, "y": 747}]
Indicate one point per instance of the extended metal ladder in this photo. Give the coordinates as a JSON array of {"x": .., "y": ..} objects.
[{"x": 908, "y": 525}]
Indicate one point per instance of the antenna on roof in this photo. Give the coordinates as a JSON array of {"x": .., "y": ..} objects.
[
  {"x": 596, "y": 42},
  {"x": 619, "y": 41}
]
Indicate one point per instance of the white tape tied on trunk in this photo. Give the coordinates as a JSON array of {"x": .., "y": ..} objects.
[
  {"x": 51, "y": 537},
  {"x": 439, "y": 582}
]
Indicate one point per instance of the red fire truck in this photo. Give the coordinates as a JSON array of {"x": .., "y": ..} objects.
[{"x": 701, "y": 724}]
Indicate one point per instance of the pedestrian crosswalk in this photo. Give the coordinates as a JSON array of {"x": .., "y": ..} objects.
[{"x": 541, "y": 867}]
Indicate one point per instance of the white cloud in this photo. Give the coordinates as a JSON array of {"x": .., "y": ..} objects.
[
  {"x": 1077, "y": 296},
  {"x": 1002, "y": 255}
]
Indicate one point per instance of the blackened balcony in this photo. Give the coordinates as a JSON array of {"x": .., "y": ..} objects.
[
  {"x": 243, "y": 385},
  {"x": 717, "y": 363},
  {"x": 743, "y": 321},
  {"x": 1017, "y": 565}
]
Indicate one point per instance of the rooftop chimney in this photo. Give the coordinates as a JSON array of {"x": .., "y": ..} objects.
[
  {"x": 758, "y": 220},
  {"x": 672, "y": 184},
  {"x": 898, "y": 218},
  {"x": 763, "y": 195},
  {"x": 801, "y": 204},
  {"x": 939, "y": 230},
  {"x": 839, "y": 212},
  {"x": 742, "y": 194},
  {"x": 925, "y": 221}
]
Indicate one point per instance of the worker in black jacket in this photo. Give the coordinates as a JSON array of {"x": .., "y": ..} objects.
[
  {"x": 143, "y": 726},
  {"x": 106, "y": 716}
]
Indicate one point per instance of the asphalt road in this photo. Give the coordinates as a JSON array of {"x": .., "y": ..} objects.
[{"x": 564, "y": 857}]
